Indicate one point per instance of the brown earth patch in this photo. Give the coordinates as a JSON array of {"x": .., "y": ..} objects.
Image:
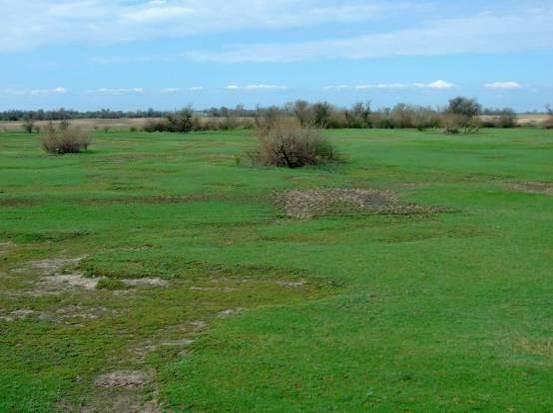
[
  {"x": 157, "y": 199},
  {"x": 124, "y": 391},
  {"x": 6, "y": 247},
  {"x": 543, "y": 188},
  {"x": 305, "y": 204},
  {"x": 131, "y": 380},
  {"x": 15, "y": 202},
  {"x": 147, "y": 282},
  {"x": 17, "y": 315},
  {"x": 76, "y": 313}
]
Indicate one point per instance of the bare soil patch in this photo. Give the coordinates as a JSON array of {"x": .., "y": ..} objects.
[
  {"x": 147, "y": 282},
  {"x": 305, "y": 204},
  {"x": 543, "y": 188},
  {"x": 131, "y": 380},
  {"x": 6, "y": 247},
  {"x": 17, "y": 315},
  {"x": 68, "y": 281}
]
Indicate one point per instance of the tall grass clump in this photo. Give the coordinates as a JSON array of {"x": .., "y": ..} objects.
[
  {"x": 64, "y": 139},
  {"x": 288, "y": 144}
]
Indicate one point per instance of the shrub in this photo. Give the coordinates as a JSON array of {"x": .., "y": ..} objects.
[
  {"x": 267, "y": 118},
  {"x": 451, "y": 124},
  {"x": 359, "y": 116},
  {"x": 304, "y": 112},
  {"x": 182, "y": 121},
  {"x": 382, "y": 119},
  {"x": 29, "y": 125},
  {"x": 288, "y": 144},
  {"x": 64, "y": 139},
  {"x": 507, "y": 118},
  {"x": 322, "y": 112},
  {"x": 548, "y": 124}
]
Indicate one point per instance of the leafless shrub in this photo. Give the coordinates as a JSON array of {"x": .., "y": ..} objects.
[
  {"x": 64, "y": 139},
  {"x": 287, "y": 144}
]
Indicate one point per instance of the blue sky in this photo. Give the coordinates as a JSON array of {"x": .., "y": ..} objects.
[{"x": 135, "y": 54}]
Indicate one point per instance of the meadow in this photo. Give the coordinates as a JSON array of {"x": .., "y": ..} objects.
[{"x": 163, "y": 272}]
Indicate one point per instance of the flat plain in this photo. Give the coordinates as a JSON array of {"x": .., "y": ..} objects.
[{"x": 162, "y": 272}]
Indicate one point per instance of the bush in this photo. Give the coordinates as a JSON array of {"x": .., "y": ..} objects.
[
  {"x": 64, "y": 139},
  {"x": 503, "y": 118},
  {"x": 182, "y": 121},
  {"x": 29, "y": 125},
  {"x": 548, "y": 124},
  {"x": 451, "y": 124},
  {"x": 288, "y": 144}
]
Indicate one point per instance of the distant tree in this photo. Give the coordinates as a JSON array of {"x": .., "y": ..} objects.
[
  {"x": 507, "y": 118},
  {"x": 468, "y": 108},
  {"x": 465, "y": 110}
]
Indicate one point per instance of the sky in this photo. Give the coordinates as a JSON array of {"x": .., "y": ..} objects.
[{"x": 167, "y": 54}]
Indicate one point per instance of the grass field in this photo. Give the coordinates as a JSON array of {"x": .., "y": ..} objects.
[{"x": 157, "y": 272}]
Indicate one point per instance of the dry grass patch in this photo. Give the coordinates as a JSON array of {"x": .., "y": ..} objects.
[
  {"x": 305, "y": 204},
  {"x": 542, "y": 348}
]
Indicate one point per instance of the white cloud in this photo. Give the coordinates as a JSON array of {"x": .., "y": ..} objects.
[
  {"x": 96, "y": 22},
  {"x": 170, "y": 90},
  {"x": 515, "y": 30},
  {"x": 503, "y": 85},
  {"x": 338, "y": 88},
  {"x": 382, "y": 86},
  {"x": 438, "y": 85},
  {"x": 256, "y": 87},
  {"x": 157, "y": 12},
  {"x": 196, "y": 88},
  {"x": 38, "y": 92},
  {"x": 120, "y": 91}
]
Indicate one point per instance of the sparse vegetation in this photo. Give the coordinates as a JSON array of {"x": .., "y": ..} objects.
[
  {"x": 285, "y": 143},
  {"x": 64, "y": 139}
]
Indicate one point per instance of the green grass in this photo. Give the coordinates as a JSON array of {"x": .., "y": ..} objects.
[{"x": 429, "y": 313}]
